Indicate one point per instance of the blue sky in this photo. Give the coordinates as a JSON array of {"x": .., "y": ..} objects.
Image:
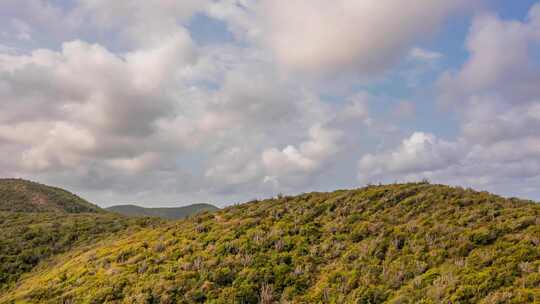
[{"x": 168, "y": 103}]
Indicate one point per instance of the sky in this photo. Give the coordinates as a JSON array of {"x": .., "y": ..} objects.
[{"x": 173, "y": 102}]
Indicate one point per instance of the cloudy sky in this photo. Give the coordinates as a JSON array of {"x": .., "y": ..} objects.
[{"x": 169, "y": 102}]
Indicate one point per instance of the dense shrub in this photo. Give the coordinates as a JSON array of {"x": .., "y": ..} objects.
[
  {"x": 410, "y": 243},
  {"x": 26, "y": 239}
]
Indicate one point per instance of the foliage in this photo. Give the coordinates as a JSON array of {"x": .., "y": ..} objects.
[
  {"x": 17, "y": 195},
  {"x": 410, "y": 243},
  {"x": 29, "y": 238}
]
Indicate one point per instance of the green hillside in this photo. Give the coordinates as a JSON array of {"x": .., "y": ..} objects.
[
  {"x": 410, "y": 243},
  {"x": 17, "y": 195},
  {"x": 28, "y": 239},
  {"x": 38, "y": 222},
  {"x": 165, "y": 213}
]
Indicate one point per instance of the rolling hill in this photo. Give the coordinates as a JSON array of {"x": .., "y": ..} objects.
[
  {"x": 165, "y": 213},
  {"x": 405, "y": 243},
  {"x": 38, "y": 222},
  {"x": 28, "y": 239},
  {"x": 18, "y": 195}
]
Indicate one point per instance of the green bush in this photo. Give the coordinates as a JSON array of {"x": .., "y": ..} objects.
[{"x": 403, "y": 243}]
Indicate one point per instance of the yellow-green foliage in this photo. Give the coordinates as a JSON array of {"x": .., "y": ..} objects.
[
  {"x": 26, "y": 239},
  {"x": 412, "y": 243}
]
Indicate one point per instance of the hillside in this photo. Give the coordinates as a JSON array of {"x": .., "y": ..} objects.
[
  {"x": 410, "y": 243},
  {"x": 17, "y": 195},
  {"x": 28, "y": 239},
  {"x": 38, "y": 222},
  {"x": 165, "y": 213}
]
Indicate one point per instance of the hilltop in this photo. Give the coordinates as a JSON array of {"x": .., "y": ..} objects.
[
  {"x": 18, "y": 195},
  {"x": 164, "y": 213},
  {"x": 409, "y": 243},
  {"x": 38, "y": 222}
]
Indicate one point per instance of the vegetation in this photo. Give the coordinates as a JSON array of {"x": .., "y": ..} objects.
[
  {"x": 29, "y": 238},
  {"x": 17, "y": 195},
  {"x": 38, "y": 222},
  {"x": 410, "y": 243},
  {"x": 165, "y": 213}
]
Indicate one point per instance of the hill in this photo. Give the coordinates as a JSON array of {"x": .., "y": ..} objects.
[
  {"x": 165, "y": 213},
  {"x": 17, "y": 195},
  {"x": 28, "y": 239},
  {"x": 38, "y": 222},
  {"x": 410, "y": 243}
]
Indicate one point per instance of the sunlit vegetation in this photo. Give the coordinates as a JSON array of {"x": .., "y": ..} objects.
[
  {"x": 38, "y": 222},
  {"x": 410, "y": 243},
  {"x": 26, "y": 239}
]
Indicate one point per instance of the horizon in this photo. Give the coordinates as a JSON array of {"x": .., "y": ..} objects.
[
  {"x": 221, "y": 205},
  {"x": 220, "y": 102}
]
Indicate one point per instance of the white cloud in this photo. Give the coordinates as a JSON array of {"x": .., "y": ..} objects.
[
  {"x": 28, "y": 23},
  {"x": 319, "y": 36},
  {"x": 497, "y": 98},
  {"x": 92, "y": 118},
  {"x": 501, "y": 53},
  {"x": 311, "y": 155},
  {"x": 85, "y": 100},
  {"x": 424, "y": 55},
  {"x": 419, "y": 153},
  {"x": 89, "y": 83},
  {"x": 136, "y": 164},
  {"x": 143, "y": 107},
  {"x": 142, "y": 22},
  {"x": 63, "y": 144},
  {"x": 235, "y": 166}
]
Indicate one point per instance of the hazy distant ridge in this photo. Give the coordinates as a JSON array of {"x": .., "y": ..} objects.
[{"x": 166, "y": 213}]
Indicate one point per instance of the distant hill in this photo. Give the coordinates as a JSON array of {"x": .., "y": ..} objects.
[
  {"x": 17, "y": 195},
  {"x": 165, "y": 213},
  {"x": 403, "y": 243}
]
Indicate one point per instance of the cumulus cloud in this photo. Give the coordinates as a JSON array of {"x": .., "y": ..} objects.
[
  {"x": 500, "y": 63},
  {"x": 235, "y": 166},
  {"x": 309, "y": 156},
  {"x": 198, "y": 119},
  {"x": 116, "y": 99},
  {"x": 419, "y": 153},
  {"x": 497, "y": 88},
  {"x": 70, "y": 108},
  {"x": 497, "y": 99},
  {"x": 141, "y": 22},
  {"x": 88, "y": 83},
  {"x": 27, "y": 21},
  {"x": 327, "y": 37}
]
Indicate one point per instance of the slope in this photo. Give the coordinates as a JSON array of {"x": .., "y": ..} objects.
[
  {"x": 38, "y": 222},
  {"x": 410, "y": 243},
  {"x": 28, "y": 239},
  {"x": 17, "y": 195},
  {"x": 165, "y": 213}
]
